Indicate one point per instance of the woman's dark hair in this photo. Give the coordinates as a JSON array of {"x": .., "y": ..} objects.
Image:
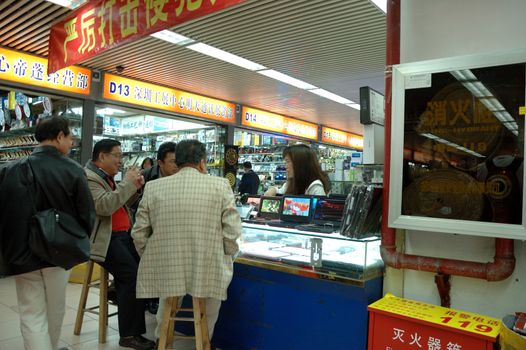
[
  {"x": 306, "y": 169},
  {"x": 165, "y": 148},
  {"x": 147, "y": 159},
  {"x": 103, "y": 146},
  {"x": 189, "y": 152},
  {"x": 49, "y": 128}
]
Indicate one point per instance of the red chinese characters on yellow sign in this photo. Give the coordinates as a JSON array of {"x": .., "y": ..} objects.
[{"x": 103, "y": 24}]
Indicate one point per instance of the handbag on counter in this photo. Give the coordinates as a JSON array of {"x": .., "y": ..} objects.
[{"x": 56, "y": 236}]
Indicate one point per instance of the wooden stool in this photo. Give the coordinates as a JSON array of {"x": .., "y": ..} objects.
[
  {"x": 166, "y": 336},
  {"x": 103, "y": 302}
]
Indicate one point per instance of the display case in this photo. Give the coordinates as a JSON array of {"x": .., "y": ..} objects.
[
  {"x": 309, "y": 285},
  {"x": 141, "y": 135},
  {"x": 328, "y": 256},
  {"x": 19, "y": 115}
]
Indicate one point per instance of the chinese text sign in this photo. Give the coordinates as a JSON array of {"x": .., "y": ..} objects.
[{"x": 103, "y": 24}]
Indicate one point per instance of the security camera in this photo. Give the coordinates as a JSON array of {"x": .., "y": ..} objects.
[{"x": 120, "y": 68}]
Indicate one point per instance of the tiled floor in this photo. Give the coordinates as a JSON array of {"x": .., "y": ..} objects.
[{"x": 11, "y": 339}]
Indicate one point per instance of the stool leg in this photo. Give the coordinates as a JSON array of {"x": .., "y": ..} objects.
[
  {"x": 103, "y": 306},
  {"x": 171, "y": 323},
  {"x": 83, "y": 298},
  {"x": 202, "y": 342},
  {"x": 163, "y": 335}
]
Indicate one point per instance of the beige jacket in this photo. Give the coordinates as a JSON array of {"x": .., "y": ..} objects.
[
  {"x": 106, "y": 202},
  {"x": 185, "y": 231}
]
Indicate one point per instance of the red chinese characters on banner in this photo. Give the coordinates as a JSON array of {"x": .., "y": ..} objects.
[{"x": 103, "y": 24}]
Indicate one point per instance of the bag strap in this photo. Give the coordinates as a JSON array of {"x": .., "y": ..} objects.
[
  {"x": 30, "y": 182},
  {"x": 34, "y": 179}
]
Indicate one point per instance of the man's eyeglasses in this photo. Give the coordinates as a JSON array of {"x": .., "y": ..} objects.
[{"x": 116, "y": 155}]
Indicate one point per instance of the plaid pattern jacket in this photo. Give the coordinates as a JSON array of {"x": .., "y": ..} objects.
[{"x": 185, "y": 231}]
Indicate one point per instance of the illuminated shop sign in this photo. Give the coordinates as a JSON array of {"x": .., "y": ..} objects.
[
  {"x": 257, "y": 118},
  {"x": 341, "y": 138},
  {"x": 149, "y": 95},
  {"x": 32, "y": 70},
  {"x": 100, "y": 25}
]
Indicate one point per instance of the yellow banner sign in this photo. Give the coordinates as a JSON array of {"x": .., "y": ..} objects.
[
  {"x": 522, "y": 110},
  {"x": 460, "y": 320},
  {"x": 257, "y": 118},
  {"x": 32, "y": 70},
  {"x": 341, "y": 138},
  {"x": 149, "y": 95}
]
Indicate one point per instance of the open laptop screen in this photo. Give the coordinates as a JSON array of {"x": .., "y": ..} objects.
[
  {"x": 328, "y": 210},
  {"x": 269, "y": 207},
  {"x": 296, "y": 208},
  {"x": 254, "y": 201}
]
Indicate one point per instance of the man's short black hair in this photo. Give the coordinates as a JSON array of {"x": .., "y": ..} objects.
[
  {"x": 103, "y": 146},
  {"x": 49, "y": 128},
  {"x": 247, "y": 165},
  {"x": 189, "y": 152},
  {"x": 164, "y": 148}
]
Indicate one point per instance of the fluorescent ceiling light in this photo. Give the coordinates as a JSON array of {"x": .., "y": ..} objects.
[
  {"x": 331, "y": 96},
  {"x": 353, "y": 105},
  {"x": 287, "y": 79},
  {"x": 225, "y": 56},
  {"x": 109, "y": 111},
  {"x": 381, "y": 4},
  {"x": 172, "y": 37},
  {"x": 464, "y": 75},
  {"x": 451, "y": 144},
  {"x": 71, "y": 4},
  {"x": 179, "y": 124}
]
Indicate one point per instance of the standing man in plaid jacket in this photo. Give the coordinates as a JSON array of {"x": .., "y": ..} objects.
[{"x": 185, "y": 231}]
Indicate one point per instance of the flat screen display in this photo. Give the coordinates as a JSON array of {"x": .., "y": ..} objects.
[
  {"x": 329, "y": 209},
  {"x": 296, "y": 206},
  {"x": 270, "y": 205}
]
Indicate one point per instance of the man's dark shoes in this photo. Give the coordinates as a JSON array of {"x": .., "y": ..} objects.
[{"x": 137, "y": 342}]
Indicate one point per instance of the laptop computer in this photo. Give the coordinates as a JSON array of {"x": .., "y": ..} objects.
[
  {"x": 269, "y": 209},
  {"x": 327, "y": 217},
  {"x": 295, "y": 210},
  {"x": 254, "y": 201}
]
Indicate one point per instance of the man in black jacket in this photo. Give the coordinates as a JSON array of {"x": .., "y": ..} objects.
[
  {"x": 249, "y": 181},
  {"x": 165, "y": 162},
  {"x": 60, "y": 183}
]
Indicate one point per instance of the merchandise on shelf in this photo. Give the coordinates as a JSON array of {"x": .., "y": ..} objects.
[
  {"x": 141, "y": 135},
  {"x": 19, "y": 115}
]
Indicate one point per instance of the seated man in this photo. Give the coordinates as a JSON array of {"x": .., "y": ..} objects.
[
  {"x": 186, "y": 230},
  {"x": 112, "y": 245}
]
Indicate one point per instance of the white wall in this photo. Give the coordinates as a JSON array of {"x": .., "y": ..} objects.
[{"x": 443, "y": 28}]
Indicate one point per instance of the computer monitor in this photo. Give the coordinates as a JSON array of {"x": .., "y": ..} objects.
[
  {"x": 296, "y": 208},
  {"x": 328, "y": 211},
  {"x": 269, "y": 207}
]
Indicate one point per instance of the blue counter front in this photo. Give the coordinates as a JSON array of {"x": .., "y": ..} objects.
[{"x": 269, "y": 309}]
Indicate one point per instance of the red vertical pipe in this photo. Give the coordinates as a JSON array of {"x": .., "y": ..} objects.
[{"x": 504, "y": 261}]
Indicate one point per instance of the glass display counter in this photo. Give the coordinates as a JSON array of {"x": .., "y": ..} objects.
[
  {"x": 329, "y": 256},
  {"x": 299, "y": 290}
]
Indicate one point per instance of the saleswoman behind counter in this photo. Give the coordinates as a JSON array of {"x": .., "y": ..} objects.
[{"x": 304, "y": 174}]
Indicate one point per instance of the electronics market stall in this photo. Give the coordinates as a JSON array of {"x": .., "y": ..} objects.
[{"x": 294, "y": 286}]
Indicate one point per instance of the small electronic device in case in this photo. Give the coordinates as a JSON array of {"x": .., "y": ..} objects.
[
  {"x": 269, "y": 209},
  {"x": 296, "y": 208},
  {"x": 294, "y": 211}
]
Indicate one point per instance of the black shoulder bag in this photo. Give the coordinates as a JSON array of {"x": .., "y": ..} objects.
[{"x": 56, "y": 236}]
